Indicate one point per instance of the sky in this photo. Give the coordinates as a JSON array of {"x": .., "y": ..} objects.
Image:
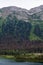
[{"x": 27, "y": 4}]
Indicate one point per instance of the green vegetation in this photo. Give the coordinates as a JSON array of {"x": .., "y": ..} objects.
[
  {"x": 19, "y": 34},
  {"x": 21, "y": 56},
  {"x": 32, "y": 30},
  {"x": 32, "y": 34},
  {"x": 27, "y": 57}
]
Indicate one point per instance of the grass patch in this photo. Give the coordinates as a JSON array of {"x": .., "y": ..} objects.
[{"x": 35, "y": 57}]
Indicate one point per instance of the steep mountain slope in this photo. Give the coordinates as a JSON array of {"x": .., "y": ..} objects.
[{"x": 21, "y": 28}]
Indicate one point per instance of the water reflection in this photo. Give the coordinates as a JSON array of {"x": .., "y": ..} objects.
[{"x": 9, "y": 62}]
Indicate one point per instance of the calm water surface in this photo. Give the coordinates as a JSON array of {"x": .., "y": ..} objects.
[{"x": 9, "y": 62}]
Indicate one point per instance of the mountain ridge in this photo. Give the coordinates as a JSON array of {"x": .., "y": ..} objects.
[{"x": 21, "y": 12}]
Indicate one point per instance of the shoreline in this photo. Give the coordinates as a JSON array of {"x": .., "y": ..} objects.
[{"x": 30, "y": 57}]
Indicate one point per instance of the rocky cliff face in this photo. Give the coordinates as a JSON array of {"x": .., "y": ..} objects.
[
  {"x": 18, "y": 12},
  {"x": 22, "y": 13}
]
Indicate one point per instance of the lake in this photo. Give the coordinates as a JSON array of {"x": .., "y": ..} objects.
[{"x": 10, "y": 62}]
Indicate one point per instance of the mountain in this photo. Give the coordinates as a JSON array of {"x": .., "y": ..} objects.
[{"x": 21, "y": 28}]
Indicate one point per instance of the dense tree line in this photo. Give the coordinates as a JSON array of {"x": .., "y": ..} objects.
[
  {"x": 17, "y": 28},
  {"x": 15, "y": 35},
  {"x": 37, "y": 30}
]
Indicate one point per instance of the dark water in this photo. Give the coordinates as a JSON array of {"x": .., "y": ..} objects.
[{"x": 9, "y": 62}]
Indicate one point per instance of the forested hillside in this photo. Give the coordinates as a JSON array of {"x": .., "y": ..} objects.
[{"x": 21, "y": 29}]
